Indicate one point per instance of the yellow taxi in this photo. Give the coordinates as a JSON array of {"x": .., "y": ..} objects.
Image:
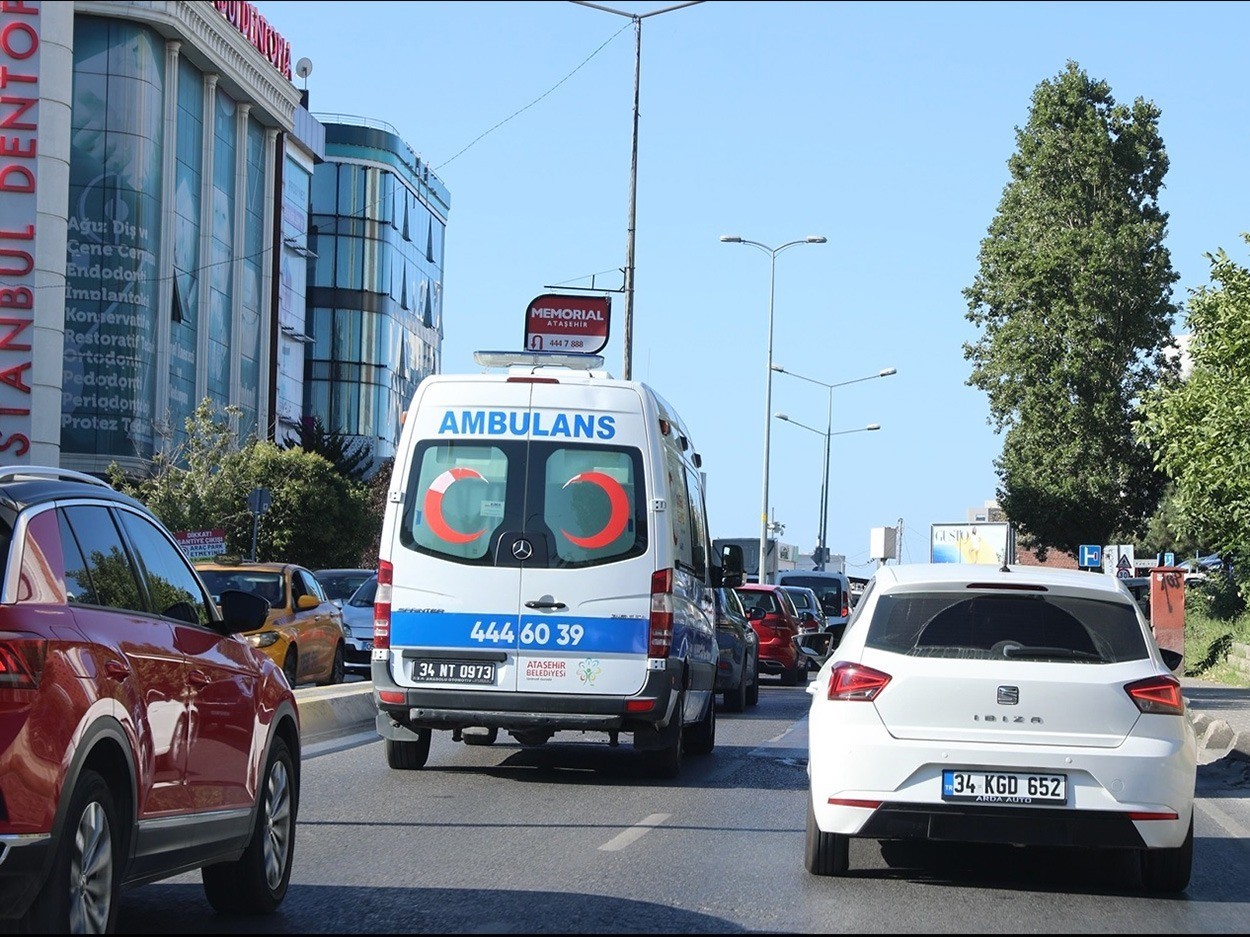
[{"x": 303, "y": 632}]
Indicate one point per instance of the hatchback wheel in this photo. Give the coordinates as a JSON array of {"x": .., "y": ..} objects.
[
  {"x": 290, "y": 665},
  {"x": 1167, "y": 871},
  {"x": 736, "y": 698},
  {"x": 257, "y": 881},
  {"x": 338, "y": 669},
  {"x": 753, "y": 688},
  {"x": 824, "y": 853},
  {"x": 792, "y": 675},
  {"x": 80, "y": 894}
]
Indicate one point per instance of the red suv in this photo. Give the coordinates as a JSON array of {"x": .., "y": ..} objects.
[
  {"x": 140, "y": 735},
  {"x": 772, "y": 614}
]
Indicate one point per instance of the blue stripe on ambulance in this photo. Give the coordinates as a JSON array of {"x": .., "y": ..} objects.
[{"x": 531, "y": 632}]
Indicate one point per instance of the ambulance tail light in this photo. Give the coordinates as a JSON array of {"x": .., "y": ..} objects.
[
  {"x": 660, "y": 641},
  {"x": 382, "y": 607}
]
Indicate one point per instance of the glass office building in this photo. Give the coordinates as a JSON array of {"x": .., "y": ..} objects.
[{"x": 375, "y": 303}]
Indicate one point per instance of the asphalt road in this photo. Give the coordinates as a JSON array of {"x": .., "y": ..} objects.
[{"x": 574, "y": 838}]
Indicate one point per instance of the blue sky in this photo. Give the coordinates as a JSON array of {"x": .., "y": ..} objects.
[{"x": 885, "y": 127}]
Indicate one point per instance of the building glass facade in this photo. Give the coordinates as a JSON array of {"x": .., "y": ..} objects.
[
  {"x": 112, "y": 272},
  {"x": 158, "y": 321},
  {"x": 375, "y": 304}
]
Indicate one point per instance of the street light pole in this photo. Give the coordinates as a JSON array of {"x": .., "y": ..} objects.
[
  {"x": 824, "y": 487},
  {"x": 628, "y": 285},
  {"x": 772, "y": 253}
]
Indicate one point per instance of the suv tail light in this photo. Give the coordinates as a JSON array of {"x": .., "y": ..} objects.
[
  {"x": 382, "y": 607},
  {"x": 1157, "y": 695},
  {"x": 21, "y": 662},
  {"x": 660, "y": 640},
  {"x": 855, "y": 682}
]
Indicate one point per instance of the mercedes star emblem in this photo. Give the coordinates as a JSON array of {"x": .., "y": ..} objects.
[{"x": 522, "y": 550}]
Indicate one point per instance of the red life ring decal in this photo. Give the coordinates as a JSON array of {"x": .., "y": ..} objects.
[
  {"x": 434, "y": 505},
  {"x": 617, "y": 518}
]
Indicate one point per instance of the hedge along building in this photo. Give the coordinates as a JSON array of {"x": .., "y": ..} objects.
[{"x": 142, "y": 148}]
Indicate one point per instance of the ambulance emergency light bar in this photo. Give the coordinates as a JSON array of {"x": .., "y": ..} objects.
[{"x": 538, "y": 359}]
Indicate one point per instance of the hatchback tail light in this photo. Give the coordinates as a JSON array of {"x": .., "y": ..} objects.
[
  {"x": 660, "y": 639},
  {"x": 855, "y": 682},
  {"x": 21, "y": 662},
  {"x": 1160, "y": 695},
  {"x": 382, "y": 606}
]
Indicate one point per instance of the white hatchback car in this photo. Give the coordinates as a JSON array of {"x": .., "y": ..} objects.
[{"x": 1022, "y": 705}]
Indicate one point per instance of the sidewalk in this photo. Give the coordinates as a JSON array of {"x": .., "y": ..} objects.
[{"x": 1221, "y": 717}]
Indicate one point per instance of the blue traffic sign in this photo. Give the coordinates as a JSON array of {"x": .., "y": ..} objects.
[{"x": 1090, "y": 555}]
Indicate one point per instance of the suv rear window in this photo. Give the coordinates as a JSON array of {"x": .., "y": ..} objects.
[{"x": 1012, "y": 627}]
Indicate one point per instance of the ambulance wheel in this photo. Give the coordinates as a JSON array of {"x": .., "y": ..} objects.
[{"x": 404, "y": 755}]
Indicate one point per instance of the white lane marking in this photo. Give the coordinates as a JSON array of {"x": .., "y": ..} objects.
[
  {"x": 1207, "y": 806},
  {"x": 634, "y": 833}
]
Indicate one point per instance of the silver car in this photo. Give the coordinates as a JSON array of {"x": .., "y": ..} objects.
[{"x": 358, "y": 627}]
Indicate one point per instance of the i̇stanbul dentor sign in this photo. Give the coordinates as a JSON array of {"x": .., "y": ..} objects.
[
  {"x": 19, "y": 127},
  {"x": 567, "y": 323}
]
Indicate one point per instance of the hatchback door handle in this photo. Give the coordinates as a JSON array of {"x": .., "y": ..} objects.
[{"x": 199, "y": 678}]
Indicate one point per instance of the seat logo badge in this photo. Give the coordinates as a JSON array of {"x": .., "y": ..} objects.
[
  {"x": 522, "y": 549},
  {"x": 1008, "y": 695}
]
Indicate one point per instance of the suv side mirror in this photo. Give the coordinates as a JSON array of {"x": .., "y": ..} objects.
[{"x": 731, "y": 565}]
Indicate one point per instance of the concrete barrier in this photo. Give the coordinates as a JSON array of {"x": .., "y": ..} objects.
[{"x": 326, "y": 711}]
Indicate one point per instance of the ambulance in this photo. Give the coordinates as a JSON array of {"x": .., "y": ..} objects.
[{"x": 545, "y": 566}]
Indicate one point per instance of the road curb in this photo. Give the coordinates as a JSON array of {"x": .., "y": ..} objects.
[{"x": 332, "y": 710}]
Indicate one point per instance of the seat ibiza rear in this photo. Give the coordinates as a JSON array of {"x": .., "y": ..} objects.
[{"x": 1021, "y": 705}]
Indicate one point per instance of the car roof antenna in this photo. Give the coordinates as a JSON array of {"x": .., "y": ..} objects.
[{"x": 1004, "y": 568}]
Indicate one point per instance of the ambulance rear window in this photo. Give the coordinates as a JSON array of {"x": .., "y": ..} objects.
[{"x": 455, "y": 499}]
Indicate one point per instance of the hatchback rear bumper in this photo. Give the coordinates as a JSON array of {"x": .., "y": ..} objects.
[{"x": 23, "y": 861}]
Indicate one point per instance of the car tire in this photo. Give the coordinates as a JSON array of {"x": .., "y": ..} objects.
[
  {"x": 792, "y": 675},
  {"x": 753, "y": 688},
  {"x": 666, "y": 761},
  {"x": 702, "y": 735},
  {"x": 824, "y": 853},
  {"x": 1166, "y": 871},
  {"x": 488, "y": 739},
  {"x": 736, "y": 698},
  {"x": 81, "y": 892},
  {"x": 338, "y": 669},
  {"x": 405, "y": 755},
  {"x": 290, "y": 665},
  {"x": 257, "y": 881}
]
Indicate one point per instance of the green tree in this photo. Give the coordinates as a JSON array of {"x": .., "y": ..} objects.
[
  {"x": 1074, "y": 299},
  {"x": 350, "y": 457},
  {"x": 1199, "y": 428},
  {"x": 317, "y": 517}
]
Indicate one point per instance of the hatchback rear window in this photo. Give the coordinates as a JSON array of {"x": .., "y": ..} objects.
[{"x": 1007, "y": 627}]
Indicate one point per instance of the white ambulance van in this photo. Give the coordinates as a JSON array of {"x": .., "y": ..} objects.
[{"x": 545, "y": 565}]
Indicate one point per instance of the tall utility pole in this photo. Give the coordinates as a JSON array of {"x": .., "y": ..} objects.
[{"x": 628, "y": 366}]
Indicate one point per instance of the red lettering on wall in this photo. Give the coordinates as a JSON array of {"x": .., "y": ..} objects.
[
  {"x": 256, "y": 30},
  {"x": 20, "y": 439},
  {"x": 25, "y": 258},
  {"x": 13, "y": 377},
  {"x": 19, "y": 40},
  {"x": 6, "y": 341},
  {"x": 19, "y": 298},
  {"x": 10, "y": 120}
]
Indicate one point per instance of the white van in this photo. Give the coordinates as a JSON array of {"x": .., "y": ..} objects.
[{"x": 545, "y": 565}]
